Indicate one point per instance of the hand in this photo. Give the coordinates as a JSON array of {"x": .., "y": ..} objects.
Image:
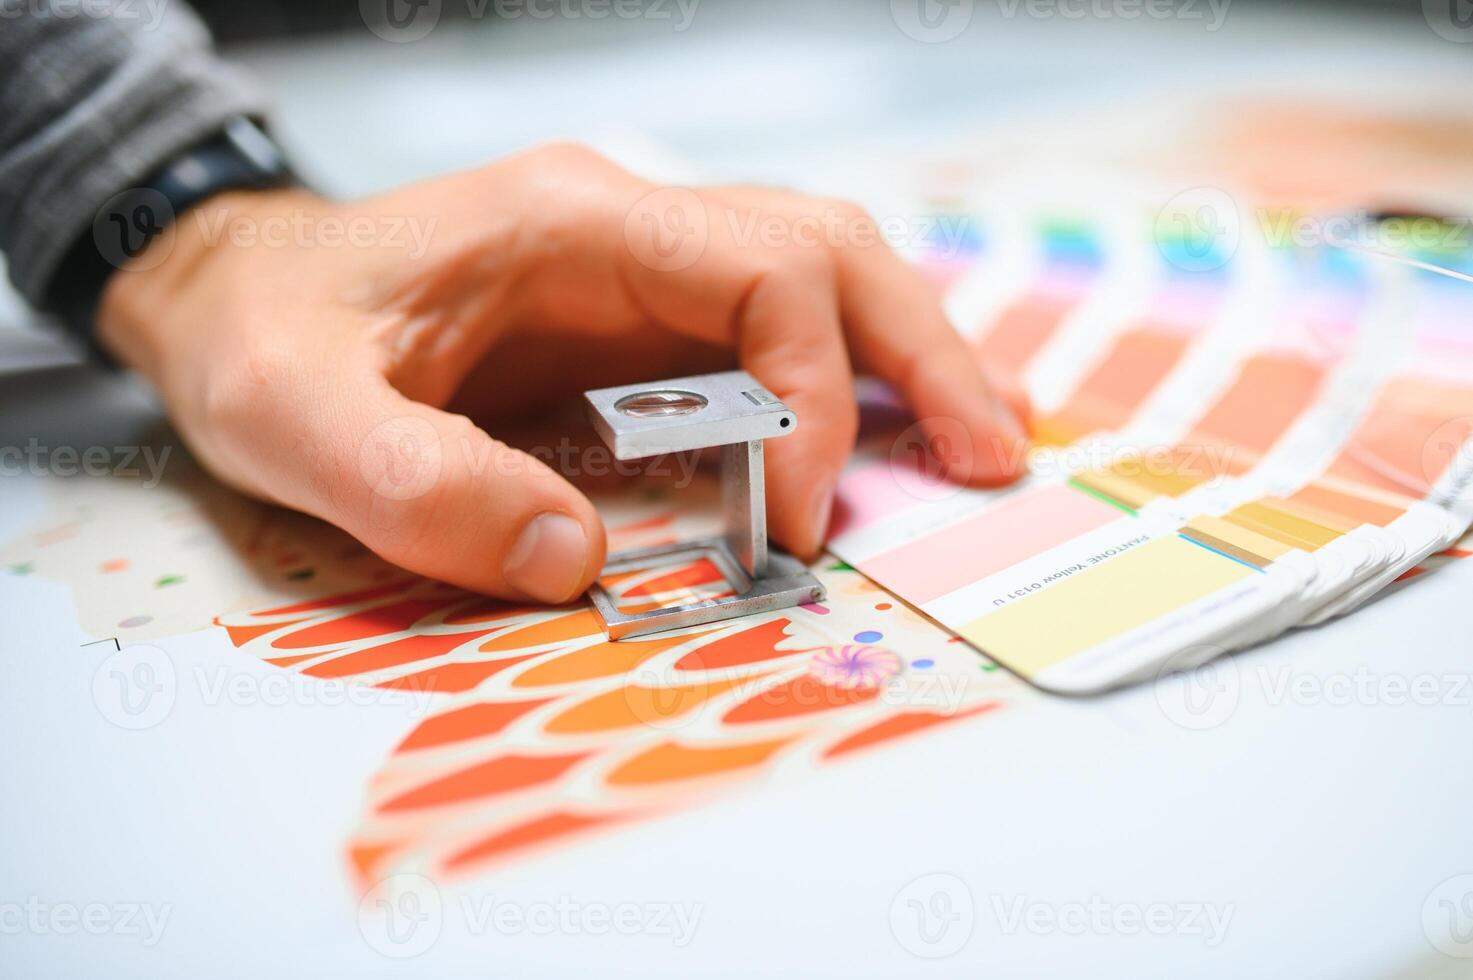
[{"x": 315, "y": 372}]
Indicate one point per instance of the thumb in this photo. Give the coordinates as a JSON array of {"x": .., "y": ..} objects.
[{"x": 433, "y": 493}]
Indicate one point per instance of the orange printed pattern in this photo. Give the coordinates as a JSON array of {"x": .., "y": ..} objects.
[
  {"x": 523, "y": 727},
  {"x": 533, "y": 728}
]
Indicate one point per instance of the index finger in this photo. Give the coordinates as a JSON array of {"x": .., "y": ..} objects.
[
  {"x": 898, "y": 330},
  {"x": 778, "y": 307}
]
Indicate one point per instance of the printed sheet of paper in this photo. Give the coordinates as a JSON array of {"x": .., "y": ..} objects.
[{"x": 523, "y": 726}]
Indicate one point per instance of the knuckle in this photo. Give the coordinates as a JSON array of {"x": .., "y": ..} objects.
[
  {"x": 569, "y": 154},
  {"x": 858, "y": 226},
  {"x": 847, "y": 209}
]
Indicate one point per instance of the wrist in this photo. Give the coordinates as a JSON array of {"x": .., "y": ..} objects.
[
  {"x": 126, "y": 227},
  {"x": 163, "y": 300}
]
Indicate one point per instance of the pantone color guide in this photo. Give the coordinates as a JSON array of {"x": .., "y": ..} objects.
[{"x": 1227, "y": 443}]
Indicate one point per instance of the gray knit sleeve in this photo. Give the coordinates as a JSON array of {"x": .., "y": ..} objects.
[{"x": 94, "y": 98}]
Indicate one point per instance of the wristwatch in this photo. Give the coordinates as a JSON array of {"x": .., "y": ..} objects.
[{"x": 239, "y": 156}]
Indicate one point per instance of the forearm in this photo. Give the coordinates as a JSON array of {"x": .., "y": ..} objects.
[{"x": 91, "y": 105}]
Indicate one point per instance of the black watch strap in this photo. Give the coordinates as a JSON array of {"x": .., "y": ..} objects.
[{"x": 238, "y": 157}]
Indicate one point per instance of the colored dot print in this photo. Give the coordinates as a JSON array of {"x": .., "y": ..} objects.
[
  {"x": 868, "y": 636},
  {"x": 853, "y": 666}
]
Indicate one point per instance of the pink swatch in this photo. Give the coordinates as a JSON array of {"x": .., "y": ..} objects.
[{"x": 1013, "y": 529}]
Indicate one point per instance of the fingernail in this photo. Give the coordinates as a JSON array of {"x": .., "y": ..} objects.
[
  {"x": 548, "y": 558},
  {"x": 823, "y": 508}
]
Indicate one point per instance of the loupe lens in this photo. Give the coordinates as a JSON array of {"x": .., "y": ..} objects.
[{"x": 660, "y": 404}]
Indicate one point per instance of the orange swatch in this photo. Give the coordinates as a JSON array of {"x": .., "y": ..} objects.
[
  {"x": 377, "y": 621},
  {"x": 407, "y": 650},
  {"x": 803, "y": 695},
  {"x": 673, "y": 761},
  {"x": 600, "y": 660},
  {"x": 1110, "y": 394},
  {"x": 464, "y": 724},
  {"x": 537, "y": 831},
  {"x": 898, "y": 725},
  {"x": 502, "y": 774}
]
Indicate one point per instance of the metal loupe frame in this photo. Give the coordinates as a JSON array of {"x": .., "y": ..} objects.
[{"x": 737, "y": 415}]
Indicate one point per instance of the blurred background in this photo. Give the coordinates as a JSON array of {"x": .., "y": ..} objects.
[
  {"x": 371, "y": 93},
  {"x": 233, "y": 20}
]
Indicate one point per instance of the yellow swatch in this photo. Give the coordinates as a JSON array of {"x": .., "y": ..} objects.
[
  {"x": 1128, "y": 492},
  {"x": 1250, "y": 541},
  {"x": 1125, "y": 592},
  {"x": 1286, "y": 527}
]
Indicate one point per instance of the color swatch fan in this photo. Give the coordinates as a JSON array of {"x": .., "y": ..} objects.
[{"x": 1234, "y": 433}]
